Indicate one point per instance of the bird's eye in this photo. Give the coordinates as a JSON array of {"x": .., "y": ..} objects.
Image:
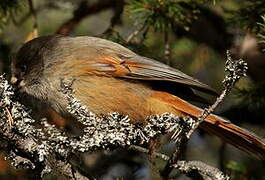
[{"x": 23, "y": 68}]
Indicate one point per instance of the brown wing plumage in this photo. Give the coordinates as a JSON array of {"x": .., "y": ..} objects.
[
  {"x": 147, "y": 69},
  {"x": 106, "y": 57}
]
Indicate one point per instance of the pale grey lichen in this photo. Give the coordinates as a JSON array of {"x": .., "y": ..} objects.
[
  {"x": 115, "y": 129},
  {"x": 47, "y": 169},
  {"x": 106, "y": 132},
  {"x": 46, "y": 143},
  {"x": 235, "y": 70},
  {"x": 19, "y": 162},
  {"x": 204, "y": 170},
  {"x": 22, "y": 122}
]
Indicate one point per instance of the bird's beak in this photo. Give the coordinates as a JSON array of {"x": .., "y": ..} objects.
[
  {"x": 13, "y": 80},
  {"x": 18, "y": 83},
  {"x": 21, "y": 83}
]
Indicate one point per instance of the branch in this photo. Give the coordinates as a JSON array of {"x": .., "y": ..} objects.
[
  {"x": 46, "y": 149},
  {"x": 190, "y": 168},
  {"x": 34, "y": 14},
  {"x": 198, "y": 169},
  {"x": 235, "y": 69},
  {"x": 116, "y": 18},
  {"x": 23, "y": 19},
  {"x": 135, "y": 33},
  {"x": 167, "y": 48},
  {"x": 28, "y": 146},
  {"x": 34, "y": 33},
  {"x": 85, "y": 9}
]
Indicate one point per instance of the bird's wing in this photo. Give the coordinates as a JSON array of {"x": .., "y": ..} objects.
[
  {"x": 96, "y": 55},
  {"x": 140, "y": 68}
]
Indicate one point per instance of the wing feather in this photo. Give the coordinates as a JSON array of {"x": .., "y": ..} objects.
[
  {"x": 112, "y": 59},
  {"x": 141, "y": 68},
  {"x": 148, "y": 69}
]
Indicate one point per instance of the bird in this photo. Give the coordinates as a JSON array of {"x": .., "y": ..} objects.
[{"x": 108, "y": 77}]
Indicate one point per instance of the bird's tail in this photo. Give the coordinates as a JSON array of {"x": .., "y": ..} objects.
[{"x": 216, "y": 125}]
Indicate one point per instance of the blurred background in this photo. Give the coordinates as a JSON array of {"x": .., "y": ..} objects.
[{"x": 192, "y": 36}]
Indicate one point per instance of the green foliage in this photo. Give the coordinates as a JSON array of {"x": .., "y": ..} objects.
[
  {"x": 234, "y": 166},
  {"x": 248, "y": 14},
  {"x": 253, "y": 97},
  {"x": 7, "y": 5},
  {"x": 7, "y": 9},
  {"x": 160, "y": 14},
  {"x": 261, "y": 35},
  {"x": 237, "y": 170}
]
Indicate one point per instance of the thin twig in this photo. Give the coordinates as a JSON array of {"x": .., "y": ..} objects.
[
  {"x": 167, "y": 49},
  {"x": 10, "y": 118},
  {"x": 198, "y": 168},
  {"x": 39, "y": 9},
  {"x": 84, "y": 9},
  {"x": 236, "y": 69},
  {"x": 144, "y": 150},
  {"x": 145, "y": 31},
  {"x": 207, "y": 111},
  {"x": 173, "y": 159},
  {"x": 34, "y": 16},
  {"x": 135, "y": 33},
  {"x": 116, "y": 18}
]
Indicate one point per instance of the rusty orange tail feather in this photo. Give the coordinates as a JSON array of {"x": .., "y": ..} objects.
[{"x": 216, "y": 125}]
